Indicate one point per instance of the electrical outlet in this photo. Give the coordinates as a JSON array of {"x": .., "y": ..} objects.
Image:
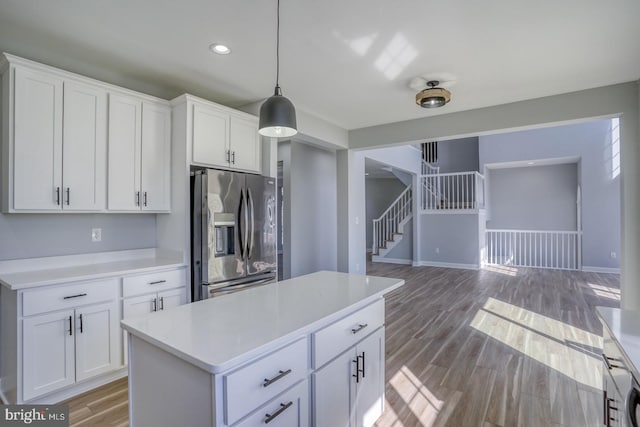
[
  {"x": 357, "y": 220},
  {"x": 357, "y": 268},
  {"x": 437, "y": 250},
  {"x": 96, "y": 234},
  {"x": 613, "y": 255}
]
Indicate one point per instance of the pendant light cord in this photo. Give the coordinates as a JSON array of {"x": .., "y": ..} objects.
[{"x": 278, "y": 47}]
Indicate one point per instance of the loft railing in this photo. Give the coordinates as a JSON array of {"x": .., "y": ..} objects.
[
  {"x": 388, "y": 223},
  {"x": 452, "y": 191},
  {"x": 534, "y": 248}
]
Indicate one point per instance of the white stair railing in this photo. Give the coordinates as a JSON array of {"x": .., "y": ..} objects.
[
  {"x": 429, "y": 169},
  {"x": 459, "y": 191},
  {"x": 388, "y": 223},
  {"x": 533, "y": 248}
]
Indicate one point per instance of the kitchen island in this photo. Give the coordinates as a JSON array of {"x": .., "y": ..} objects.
[{"x": 304, "y": 351}]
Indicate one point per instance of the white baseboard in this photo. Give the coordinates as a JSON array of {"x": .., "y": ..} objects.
[
  {"x": 590, "y": 269},
  {"x": 446, "y": 265},
  {"x": 391, "y": 260}
]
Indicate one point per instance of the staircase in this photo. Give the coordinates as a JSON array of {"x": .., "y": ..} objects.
[{"x": 388, "y": 228}]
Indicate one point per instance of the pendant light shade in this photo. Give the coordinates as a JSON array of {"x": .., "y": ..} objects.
[
  {"x": 277, "y": 113},
  {"x": 277, "y": 116}
]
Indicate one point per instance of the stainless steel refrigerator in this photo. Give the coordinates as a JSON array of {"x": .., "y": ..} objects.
[{"x": 233, "y": 232}]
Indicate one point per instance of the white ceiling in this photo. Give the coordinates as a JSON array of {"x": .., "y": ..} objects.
[{"x": 348, "y": 62}]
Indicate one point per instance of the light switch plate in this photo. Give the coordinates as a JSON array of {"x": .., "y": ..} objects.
[{"x": 96, "y": 234}]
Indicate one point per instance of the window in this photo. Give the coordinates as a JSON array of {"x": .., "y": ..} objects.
[
  {"x": 430, "y": 151},
  {"x": 615, "y": 148}
]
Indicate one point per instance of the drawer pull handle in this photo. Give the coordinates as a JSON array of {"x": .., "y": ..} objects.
[
  {"x": 283, "y": 407},
  {"x": 281, "y": 374},
  {"x": 75, "y": 296},
  {"x": 607, "y": 362},
  {"x": 360, "y": 327},
  {"x": 157, "y": 282}
]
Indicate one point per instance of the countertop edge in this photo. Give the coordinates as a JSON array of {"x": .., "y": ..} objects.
[
  {"x": 93, "y": 276},
  {"x": 262, "y": 349}
]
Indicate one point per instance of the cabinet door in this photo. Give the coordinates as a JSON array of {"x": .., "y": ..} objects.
[
  {"x": 332, "y": 392},
  {"x": 84, "y": 147},
  {"x": 173, "y": 298},
  {"x": 48, "y": 353},
  {"x": 133, "y": 307},
  {"x": 210, "y": 136},
  {"x": 96, "y": 340},
  {"x": 125, "y": 132},
  {"x": 369, "y": 395},
  {"x": 244, "y": 144},
  {"x": 37, "y": 144},
  {"x": 156, "y": 157}
]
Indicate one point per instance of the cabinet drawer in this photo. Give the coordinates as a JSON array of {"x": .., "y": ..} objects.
[
  {"x": 290, "y": 409},
  {"x": 252, "y": 385},
  {"x": 153, "y": 282},
  {"x": 346, "y": 332},
  {"x": 68, "y": 296}
]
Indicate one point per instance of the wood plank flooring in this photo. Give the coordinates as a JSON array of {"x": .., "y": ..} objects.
[{"x": 501, "y": 347}]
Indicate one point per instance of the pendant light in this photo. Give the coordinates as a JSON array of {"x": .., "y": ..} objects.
[{"x": 277, "y": 113}]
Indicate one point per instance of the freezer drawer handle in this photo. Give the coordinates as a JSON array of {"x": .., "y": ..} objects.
[
  {"x": 281, "y": 374},
  {"x": 157, "y": 282},
  {"x": 75, "y": 296},
  {"x": 360, "y": 327},
  {"x": 283, "y": 407}
]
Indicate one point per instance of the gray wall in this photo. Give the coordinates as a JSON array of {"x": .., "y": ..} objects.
[
  {"x": 534, "y": 198},
  {"x": 451, "y": 239},
  {"x": 39, "y": 235},
  {"x": 591, "y": 142},
  {"x": 311, "y": 239},
  {"x": 379, "y": 193},
  {"x": 458, "y": 155}
]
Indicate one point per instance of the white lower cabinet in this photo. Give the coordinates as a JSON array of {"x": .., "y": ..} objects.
[
  {"x": 154, "y": 301},
  {"x": 348, "y": 391},
  {"x": 290, "y": 409},
  {"x": 48, "y": 349},
  {"x": 64, "y": 347}
]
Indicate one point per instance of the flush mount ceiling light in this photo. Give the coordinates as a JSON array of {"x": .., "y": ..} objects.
[
  {"x": 433, "y": 97},
  {"x": 220, "y": 49},
  {"x": 277, "y": 113}
]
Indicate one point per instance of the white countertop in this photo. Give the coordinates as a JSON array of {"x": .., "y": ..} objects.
[
  {"x": 624, "y": 326},
  {"x": 30, "y": 273},
  {"x": 219, "y": 333}
]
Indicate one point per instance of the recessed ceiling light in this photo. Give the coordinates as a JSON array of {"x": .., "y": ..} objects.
[
  {"x": 531, "y": 163},
  {"x": 220, "y": 49},
  {"x": 366, "y": 174}
]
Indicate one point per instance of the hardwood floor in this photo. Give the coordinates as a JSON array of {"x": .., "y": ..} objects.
[
  {"x": 501, "y": 347},
  {"x": 508, "y": 347}
]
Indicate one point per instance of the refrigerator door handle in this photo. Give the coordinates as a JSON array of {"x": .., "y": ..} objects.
[
  {"x": 241, "y": 212},
  {"x": 253, "y": 223},
  {"x": 244, "y": 201}
]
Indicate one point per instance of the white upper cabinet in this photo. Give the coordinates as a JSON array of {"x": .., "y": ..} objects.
[
  {"x": 125, "y": 141},
  {"x": 37, "y": 141},
  {"x": 139, "y": 155},
  {"x": 84, "y": 147},
  {"x": 223, "y": 138},
  {"x": 244, "y": 144},
  {"x": 156, "y": 157},
  {"x": 70, "y": 143},
  {"x": 210, "y": 136}
]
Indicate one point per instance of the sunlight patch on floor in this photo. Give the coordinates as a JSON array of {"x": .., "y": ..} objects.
[
  {"x": 502, "y": 269},
  {"x": 605, "y": 291},
  {"x": 424, "y": 405},
  {"x": 548, "y": 341}
]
